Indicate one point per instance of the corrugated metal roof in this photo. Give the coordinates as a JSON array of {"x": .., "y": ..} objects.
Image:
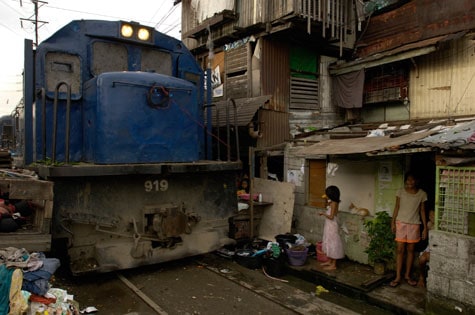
[
  {"x": 436, "y": 135},
  {"x": 461, "y": 136},
  {"x": 245, "y": 109},
  {"x": 361, "y": 145}
]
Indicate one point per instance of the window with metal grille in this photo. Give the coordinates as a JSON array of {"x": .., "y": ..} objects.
[
  {"x": 304, "y": 78},
  {"x": 386, "y": 83},
  {"x": 455, "y": 200}
]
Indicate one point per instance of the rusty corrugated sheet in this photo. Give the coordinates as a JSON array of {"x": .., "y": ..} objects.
[
  {"x": 245, "y": 110},
  {"x": 406, "y": 51},
  {"x": 414, "y": 21},
  {"x": 276, "y": 73},
  {"x": 274, "y": 127}
]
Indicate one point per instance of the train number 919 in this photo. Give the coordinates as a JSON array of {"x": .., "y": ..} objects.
[{"x": 156, "y": 185}]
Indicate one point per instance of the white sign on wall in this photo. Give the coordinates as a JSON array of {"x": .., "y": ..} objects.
[{"x": 385, "y": 172}]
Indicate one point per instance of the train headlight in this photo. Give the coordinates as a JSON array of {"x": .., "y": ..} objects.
[
  {"x": 143, "y": 34},
  {"x": 127, "y": 30}
]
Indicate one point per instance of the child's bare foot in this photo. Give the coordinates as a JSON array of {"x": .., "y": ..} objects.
[
  {"x": 330, "y": 267},
  {"x": 325, "y": 264},
  {"x": 421, "y": 283},
  {"x": 411, "y": 282}
]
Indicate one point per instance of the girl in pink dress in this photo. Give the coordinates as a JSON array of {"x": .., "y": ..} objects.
[{"x": 332, "y": 245}]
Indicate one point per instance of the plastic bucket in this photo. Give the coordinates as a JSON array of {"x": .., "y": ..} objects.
[
  {"x": 320, "y": 254},
  {"x": 297, "y": 257},
  {"x": 275, "y": 267},
  {"x": 244, "y": 258}
]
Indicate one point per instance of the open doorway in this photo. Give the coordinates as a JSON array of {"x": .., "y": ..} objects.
[{"x": 424, "y": 167}]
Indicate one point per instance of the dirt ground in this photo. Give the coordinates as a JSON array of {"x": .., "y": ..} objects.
[
  {"x": 181, "y": 287},
  {"x": 207, "y": 284}
]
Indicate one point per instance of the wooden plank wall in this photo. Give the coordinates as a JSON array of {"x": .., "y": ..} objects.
[{"x": 236, "y": 77}]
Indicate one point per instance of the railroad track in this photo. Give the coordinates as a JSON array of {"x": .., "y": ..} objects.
[{"x": 212, "y": 285}]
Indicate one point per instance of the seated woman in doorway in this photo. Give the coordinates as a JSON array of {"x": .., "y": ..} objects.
[
  {"x": 244, "y": 187},
  {"x": 424, "y": 256}
]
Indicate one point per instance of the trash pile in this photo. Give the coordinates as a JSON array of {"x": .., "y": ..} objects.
[{"x": 25, "y": 285}]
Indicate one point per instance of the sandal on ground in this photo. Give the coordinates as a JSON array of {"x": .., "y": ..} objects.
[
  {"x": 394, "y": 283},
  {"x": 411, "y": 282}
]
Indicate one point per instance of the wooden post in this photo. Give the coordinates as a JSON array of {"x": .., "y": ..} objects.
[{"x": 251, "y": 187}]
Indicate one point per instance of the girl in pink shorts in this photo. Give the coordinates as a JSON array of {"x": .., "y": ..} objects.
[{"x": 408, "y": 213}]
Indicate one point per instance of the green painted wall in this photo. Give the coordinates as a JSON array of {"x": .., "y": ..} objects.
[{"x": 389, "y": 178}]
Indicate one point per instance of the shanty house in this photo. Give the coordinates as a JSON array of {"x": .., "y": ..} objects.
[
  {"x": 268, "y": 61},
  {"x": 408, "y": 92},
  {"x": 351, "y": 93}
]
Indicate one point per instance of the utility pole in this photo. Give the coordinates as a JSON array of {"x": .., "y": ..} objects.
[{"x": 34, "y": 18}]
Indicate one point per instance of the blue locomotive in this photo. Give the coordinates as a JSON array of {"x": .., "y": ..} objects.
[{"x": 115, "y": 118}]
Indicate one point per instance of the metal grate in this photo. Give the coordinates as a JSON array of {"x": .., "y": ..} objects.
[{"x": 455, "y": 200}]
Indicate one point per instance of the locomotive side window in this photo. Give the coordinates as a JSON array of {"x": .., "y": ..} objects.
[
  {"x": 107, "y": 57},
  {"x": 62, "y": 67},
  {"x": 156, "y": 61}
]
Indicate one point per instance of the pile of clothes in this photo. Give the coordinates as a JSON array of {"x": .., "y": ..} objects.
[{"x": 25, "y": 282}]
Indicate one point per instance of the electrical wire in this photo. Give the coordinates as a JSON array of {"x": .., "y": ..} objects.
[{"x": 163, "y": 19}]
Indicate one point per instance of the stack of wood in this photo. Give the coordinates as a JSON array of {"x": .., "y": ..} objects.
[{"x": 5, "y": 159}]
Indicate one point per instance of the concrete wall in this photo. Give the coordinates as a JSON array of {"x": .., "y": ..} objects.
[
  {"x": 305, "y": 219},
  {"x": 354, "y": 236},
  {"x": 452, "y": 267},
  {"x": 276, "y": 217},
  {"x": 363, "y": 184}
]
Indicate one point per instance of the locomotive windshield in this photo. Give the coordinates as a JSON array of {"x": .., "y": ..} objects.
[
  {"x": 107, "y": 57},
  {"x": 156, "y": 61},
  {"x": 63, "y": 67}
]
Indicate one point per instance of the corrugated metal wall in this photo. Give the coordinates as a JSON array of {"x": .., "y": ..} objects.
[
  {"x": 251, "y": 12},
  {"x": 276, "y": 73},
  {"x": 442, "y": 84},
  {"x": 281, "y": 8},
  {"x": 274, "y": 127}
]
